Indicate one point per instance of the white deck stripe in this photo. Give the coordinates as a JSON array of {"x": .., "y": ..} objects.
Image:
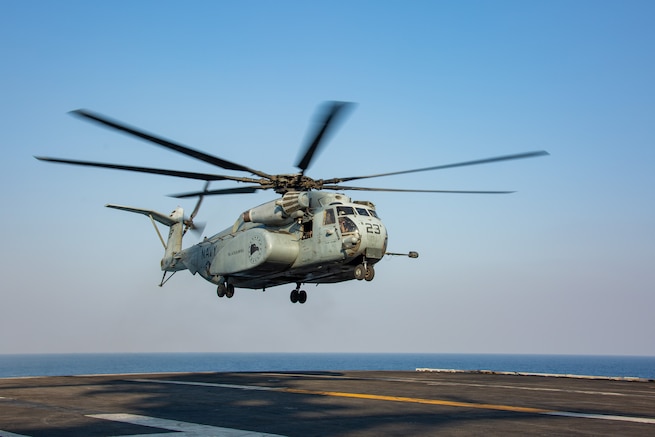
[
  {"x": 516, "y": 387},
  {"x": 603, "y": 417},
  {"x": 182, "y": 429},
  {"x": 11, "y": 434},
  {"x": 208, "y": 384}
]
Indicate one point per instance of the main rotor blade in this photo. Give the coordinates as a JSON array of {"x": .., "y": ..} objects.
[
  {"x": 441, "y": 167},
  {"x": 181, "y": 174},
  {"x": 214, "y": 160},
  {"x": 332, "y": 112},
  {"x": 401, "y": 190},
  {"x": 238, "y": 190}
]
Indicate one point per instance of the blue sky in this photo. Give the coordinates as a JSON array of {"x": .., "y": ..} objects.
[{"x": 564, "y": 265}]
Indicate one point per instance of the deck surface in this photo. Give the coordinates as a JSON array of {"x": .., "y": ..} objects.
[{"x": 323, "y": 404}]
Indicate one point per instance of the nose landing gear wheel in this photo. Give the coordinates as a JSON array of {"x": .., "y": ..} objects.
[
  {"x": 360, "y": 272},
  {"x": 369, "y": 274},
  {"x": 364, "y": 271}
]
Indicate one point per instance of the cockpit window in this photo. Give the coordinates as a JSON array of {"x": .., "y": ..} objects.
[
  {"x": 362, "y": 211},
  {"x": 345, "y": 210},
  {"x": 347, "y": 226},
  {"x": 373, "y": 213}
]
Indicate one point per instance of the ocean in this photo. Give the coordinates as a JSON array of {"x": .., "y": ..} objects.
[{"x": 86, "y": 364}]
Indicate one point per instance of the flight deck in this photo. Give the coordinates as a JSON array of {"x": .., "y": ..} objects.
[{"x": 350, "y": 403}]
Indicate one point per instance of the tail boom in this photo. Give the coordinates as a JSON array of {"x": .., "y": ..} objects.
[{"x": 175, "y": 222}]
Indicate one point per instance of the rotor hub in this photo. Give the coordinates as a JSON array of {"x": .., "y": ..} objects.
[{"x": 293, "y": 182}]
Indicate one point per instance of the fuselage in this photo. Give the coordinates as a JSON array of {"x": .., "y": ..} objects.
[{"x": 314, "y": 237}]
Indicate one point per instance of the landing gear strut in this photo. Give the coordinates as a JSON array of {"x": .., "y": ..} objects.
[
  {"x": 298, "y": 295},
  {"x": 225, "y": 289}
]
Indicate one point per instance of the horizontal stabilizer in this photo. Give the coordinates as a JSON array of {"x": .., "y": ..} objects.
[{"x": 158, "y": 216}]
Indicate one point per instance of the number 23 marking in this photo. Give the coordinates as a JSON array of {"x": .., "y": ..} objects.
[{"x": 372, "y": 228}]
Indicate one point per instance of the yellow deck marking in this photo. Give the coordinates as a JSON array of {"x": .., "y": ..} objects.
[{"x": 420, "y": 401}]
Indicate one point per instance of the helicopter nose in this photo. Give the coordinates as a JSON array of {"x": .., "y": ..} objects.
[{"x": 375, "y": 241}]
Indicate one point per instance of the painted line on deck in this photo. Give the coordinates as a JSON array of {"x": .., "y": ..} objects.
[
  {"x": 516, "y": 387},
  {"x": 603, "y": 417},
  {"x": 181, "y": 429},
  {"x": 416, "y": 400},
  {"x": 11, "y": 434},
  {"x": 440, "y": 402}
]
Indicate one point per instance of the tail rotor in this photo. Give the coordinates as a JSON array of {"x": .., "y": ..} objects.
[{"x": 189, "y": 224}]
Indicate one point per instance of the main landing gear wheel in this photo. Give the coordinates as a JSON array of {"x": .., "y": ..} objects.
[{"x": 298, "y": 296}]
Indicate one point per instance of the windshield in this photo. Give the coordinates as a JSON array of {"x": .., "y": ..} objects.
[
  {"x": 348, "y": 210},
  {"x": 345, "y": 210}
]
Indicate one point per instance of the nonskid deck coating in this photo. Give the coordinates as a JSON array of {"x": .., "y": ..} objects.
[{"x": 323, "y": 403}]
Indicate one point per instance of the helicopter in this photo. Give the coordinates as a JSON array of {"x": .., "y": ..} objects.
[{"x": 312, "y": 234}]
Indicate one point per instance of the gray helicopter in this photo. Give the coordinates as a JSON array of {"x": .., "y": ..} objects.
[{"x": 312, "y": 234}]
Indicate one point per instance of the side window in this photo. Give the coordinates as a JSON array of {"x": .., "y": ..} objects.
[
  {"x": 373, "y": 213},
  {"x": 307, "y": 230},
  {"x": 329, "y": 217}
]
